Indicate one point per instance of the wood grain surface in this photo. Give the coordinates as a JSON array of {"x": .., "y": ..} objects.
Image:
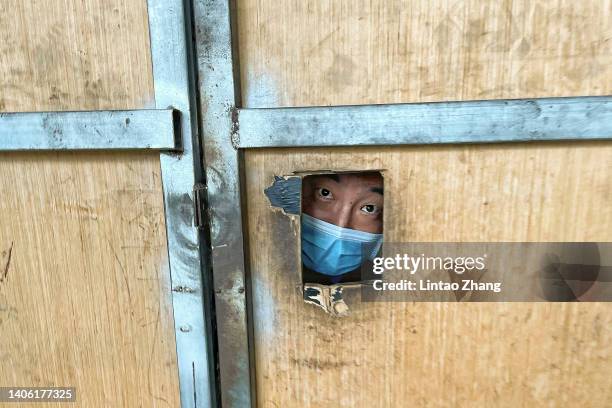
[
  {"x": 335, "y": 52},
  {"x": 84, "y": 287},
  {"x": 436, "y": 354},
  {"x": 318, "y": 52}
]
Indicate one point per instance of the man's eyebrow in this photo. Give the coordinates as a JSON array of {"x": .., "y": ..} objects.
[
  {"x": 378, "y": 190},
  {"x": 334, "y": 177}
]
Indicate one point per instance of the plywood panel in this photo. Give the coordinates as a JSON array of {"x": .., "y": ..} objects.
[
  {"x": 330, "y": 52},
  {"x": 85, "y": 298},
  {"x": 74, "y": 55},
  {"x": 319, "y": 52},
  {"x": 436, "y": 354}
]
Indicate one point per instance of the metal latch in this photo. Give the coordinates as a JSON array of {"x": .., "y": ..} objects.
[{"x": 199, "y": 202}]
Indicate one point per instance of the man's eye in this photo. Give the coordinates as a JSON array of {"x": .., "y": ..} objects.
[
  {"x": 325, "y": 193},
  {"x": 370, "y": 209}
]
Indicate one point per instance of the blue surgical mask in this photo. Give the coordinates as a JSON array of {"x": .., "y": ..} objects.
[{"x": 333, "y": 250}]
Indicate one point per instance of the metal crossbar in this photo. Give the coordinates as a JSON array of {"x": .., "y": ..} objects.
[
  {"x": 148, "y": 129},
  {"x": 515, "y": 120}
]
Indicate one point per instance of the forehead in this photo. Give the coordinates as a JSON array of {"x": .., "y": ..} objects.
[{"x": 370, "y": 179}]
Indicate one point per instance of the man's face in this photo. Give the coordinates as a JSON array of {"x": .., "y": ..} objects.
[{"x": 352, "y": 201}]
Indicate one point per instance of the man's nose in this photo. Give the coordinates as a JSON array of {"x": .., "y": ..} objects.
[{"x": 344, "y": 216}]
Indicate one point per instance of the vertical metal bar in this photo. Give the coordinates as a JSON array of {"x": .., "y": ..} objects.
[
  {"x": 219, "y": 96},
  {"x": 171, "y": 46}
]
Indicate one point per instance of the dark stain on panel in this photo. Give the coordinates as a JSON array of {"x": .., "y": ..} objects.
[{"x": 7, "y": 266}]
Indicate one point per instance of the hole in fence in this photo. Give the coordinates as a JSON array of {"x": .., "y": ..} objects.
[{"x": 341, "y": 225}]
